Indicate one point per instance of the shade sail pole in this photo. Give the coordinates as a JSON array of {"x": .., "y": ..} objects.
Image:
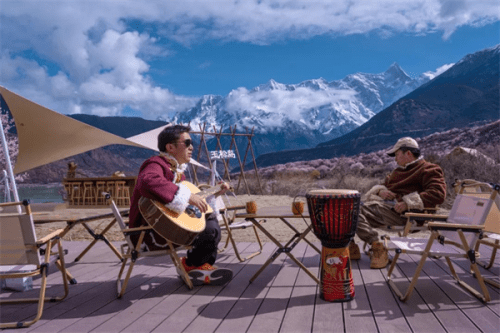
[{"x": 9, "y": 166}]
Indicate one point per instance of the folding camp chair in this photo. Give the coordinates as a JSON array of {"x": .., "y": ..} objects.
[
  {"x": 229, "y": 225},
  {"x": 19, "y": 246},
  {"x": 228, "y": 213},
  {"x": 467, "y": 216},
  {"x": 491, "y": 233},
  {"x": 134, "y": 252}
]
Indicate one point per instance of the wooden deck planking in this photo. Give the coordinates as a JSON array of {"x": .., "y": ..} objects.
[
  {"x": 269, "y": 316},
  {"x": 416, "y": 310},
  {"x": 299, "y": 313},
  {"x": 99, "y": 289},
  {"x": 186, "y": 313},
  {"x": 169, "y": 306},
  {"x": 436, "y": 301},
  {"x": 272, "y": 310},
  {"x": 143, "y": 280},
  {"x": 282, "y": 299},
  {"x": 213, "y": 314},
  {"x": 358, "y": 315},
  {"x": 473, "y": 314},
  {"x": 246, "y": 307},
  {"x": 483, "y": 316},
  {"x": 386, "y": 309},
  {"x": 54, "y": 287}
]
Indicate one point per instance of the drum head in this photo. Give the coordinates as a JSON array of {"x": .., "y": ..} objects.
[{"x": 332, "y": 192}]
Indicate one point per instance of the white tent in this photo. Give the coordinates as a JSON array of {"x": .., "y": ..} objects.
[{"x": 150, "y": 140}]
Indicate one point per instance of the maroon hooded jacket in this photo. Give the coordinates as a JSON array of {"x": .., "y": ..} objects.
[{"x": 154, "y": 181}]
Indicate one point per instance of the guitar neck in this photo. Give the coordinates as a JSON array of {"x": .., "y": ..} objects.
[{"x": 209, "y": 191}]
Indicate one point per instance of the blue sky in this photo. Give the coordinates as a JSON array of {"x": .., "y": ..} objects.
[
  {"x": 158, "y": 57},
  {"x": 215, "y": 68}
]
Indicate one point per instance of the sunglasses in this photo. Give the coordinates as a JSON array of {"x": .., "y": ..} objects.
[{"x": 187, "y": 142}]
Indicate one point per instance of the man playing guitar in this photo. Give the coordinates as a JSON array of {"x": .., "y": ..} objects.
[{"x": 160, "y": 179}]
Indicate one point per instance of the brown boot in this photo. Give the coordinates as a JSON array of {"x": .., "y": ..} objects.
[
  {"x": 354, "y": 252},
  {"x": 379, "y": 256}
]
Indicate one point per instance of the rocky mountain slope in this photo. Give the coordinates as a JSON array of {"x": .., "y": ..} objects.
[{"x": 483, "y": 142}]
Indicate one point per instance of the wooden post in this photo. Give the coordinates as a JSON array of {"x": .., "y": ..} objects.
[
  {"x": 254, "y": 163},
  {"x": 219, "y": 146},
  {"x": 242, "y": 173}
]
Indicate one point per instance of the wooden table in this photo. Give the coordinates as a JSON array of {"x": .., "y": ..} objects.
[
  {"x": 282, "y": 213},
  {"x": 72, "y": 222},
  {"x": 129, "y": 182}
]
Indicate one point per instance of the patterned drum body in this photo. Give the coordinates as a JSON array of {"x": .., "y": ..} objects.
[{"x": 334, "y": 217}]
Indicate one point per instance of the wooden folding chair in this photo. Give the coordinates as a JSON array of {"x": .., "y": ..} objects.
[
  {"x": 229, "y": 225},
  {"x": 133, "y": 252},
  {"x": 491, "y": 234},
  {"x": 448, "y": 239},
  {"x": 19, "y": 246}
]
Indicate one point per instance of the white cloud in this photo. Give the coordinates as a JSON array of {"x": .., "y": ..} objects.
[
  {"x": 284, "y": 103},
  {"x": 90, "y": 61},
  {"x": 438, "y": 71}
]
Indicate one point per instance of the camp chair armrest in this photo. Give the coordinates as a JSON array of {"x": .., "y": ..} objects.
[
  {"x": 138, "y": 229},
  {"x": 424, "y": 215},
  {"x": 230, "y": 208},
  {"x": 454, "y": 226},
  {"x": 50, "y": 236},
  {"x": 7, "y": 204}
]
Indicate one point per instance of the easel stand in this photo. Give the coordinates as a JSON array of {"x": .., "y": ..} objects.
[{"x": 224, "y": 159}]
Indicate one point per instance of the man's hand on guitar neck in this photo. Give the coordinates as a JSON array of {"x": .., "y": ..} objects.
[
  {"x": 224, "y": 187},
  {"x": 198, "y": 202}
]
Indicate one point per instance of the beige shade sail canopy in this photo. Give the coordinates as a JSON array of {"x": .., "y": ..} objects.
[{"x": 46, "y": 136}]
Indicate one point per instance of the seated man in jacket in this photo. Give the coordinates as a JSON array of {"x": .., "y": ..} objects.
[
  {"x": 415, "y": 184},
  {"x": 160, "y": 179}
]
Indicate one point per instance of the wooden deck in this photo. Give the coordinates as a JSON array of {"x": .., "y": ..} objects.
[{"x": 282, "y": 299}]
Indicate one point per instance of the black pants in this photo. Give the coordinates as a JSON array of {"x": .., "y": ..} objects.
[{"x": 205, "y": 244}]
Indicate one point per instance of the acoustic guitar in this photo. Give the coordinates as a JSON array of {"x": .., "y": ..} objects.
[{"x": 180, "y": 229}]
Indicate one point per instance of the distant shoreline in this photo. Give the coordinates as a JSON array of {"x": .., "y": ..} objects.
[{"x": 36, "y": 185}]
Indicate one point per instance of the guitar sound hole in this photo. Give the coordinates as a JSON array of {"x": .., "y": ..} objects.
[{"x": 193, "y": 211}]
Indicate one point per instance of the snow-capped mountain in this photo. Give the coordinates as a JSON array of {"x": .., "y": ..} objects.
[
  {"x": 292, "y": 116},
  {"x": 466, "y": 94}
]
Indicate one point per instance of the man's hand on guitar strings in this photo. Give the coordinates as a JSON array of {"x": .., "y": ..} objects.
[{"x": 197, "y": 201}]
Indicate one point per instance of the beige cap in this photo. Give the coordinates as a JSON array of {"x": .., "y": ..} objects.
[{"x": 405, "y": 142}]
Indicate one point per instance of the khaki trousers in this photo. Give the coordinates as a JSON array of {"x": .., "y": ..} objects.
[{"x": 376, "y": 214}]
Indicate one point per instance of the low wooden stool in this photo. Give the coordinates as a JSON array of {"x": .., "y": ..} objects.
[
  {"x": 110, "y": 188},
  {"x": 88, "y": 197},
  {"x": 69, "y": 192},
  {"x": 122, "y": 193},
  {"x": 100, "y": 186},
  {"x": 76, "y": 193}
]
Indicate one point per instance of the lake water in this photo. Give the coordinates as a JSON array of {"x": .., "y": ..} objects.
[{"x": 37, "y": 193}]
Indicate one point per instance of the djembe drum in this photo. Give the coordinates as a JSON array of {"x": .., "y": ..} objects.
[{"x": 334, "y": 218}]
